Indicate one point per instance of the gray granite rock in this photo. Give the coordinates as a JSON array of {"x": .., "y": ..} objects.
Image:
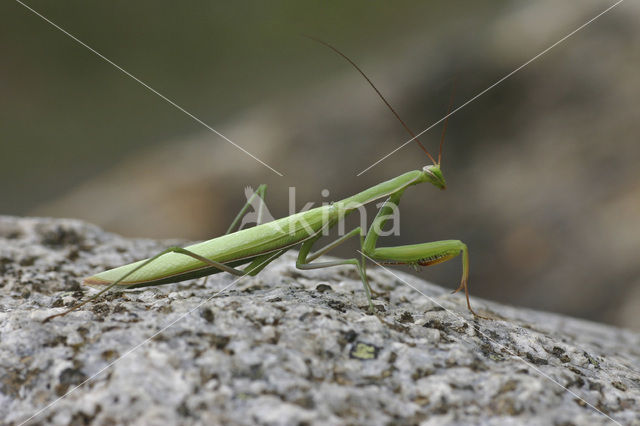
[{"x": 285, "y": 347}]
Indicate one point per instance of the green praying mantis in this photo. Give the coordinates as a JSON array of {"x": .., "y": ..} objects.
[{"x": 256, "y": 247}]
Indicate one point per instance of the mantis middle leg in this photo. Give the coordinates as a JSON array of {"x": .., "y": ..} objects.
[{"x": 305, "y": 259}]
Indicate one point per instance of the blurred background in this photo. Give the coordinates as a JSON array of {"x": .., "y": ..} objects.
[{"x": 542, "y": 170}]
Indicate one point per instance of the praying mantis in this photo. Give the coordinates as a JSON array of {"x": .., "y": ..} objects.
[{"x": 256, "y": 247}]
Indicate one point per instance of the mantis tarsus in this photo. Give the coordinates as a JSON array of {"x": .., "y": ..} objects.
[{"x": 256, "y": 247}]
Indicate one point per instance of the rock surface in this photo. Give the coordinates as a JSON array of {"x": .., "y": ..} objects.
[{"x": 285, "y": 347}]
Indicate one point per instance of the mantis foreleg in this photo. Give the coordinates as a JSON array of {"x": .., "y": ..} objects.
[{"x": 425, "y": 254}]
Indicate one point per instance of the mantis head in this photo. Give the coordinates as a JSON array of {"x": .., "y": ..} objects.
[{"x": 433, "y": 174}]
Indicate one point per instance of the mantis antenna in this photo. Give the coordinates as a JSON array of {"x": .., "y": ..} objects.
[
  {"x": 324, "y": 43},
  {"x": 444, "y": 126}
]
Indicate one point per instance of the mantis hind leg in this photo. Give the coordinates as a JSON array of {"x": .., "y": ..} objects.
[
  {"x": 305, "y": 260},
  {"x": 258, "y": 197},
  {"x": 180, "y": 250},
  {"x": 426, "y": 254}
]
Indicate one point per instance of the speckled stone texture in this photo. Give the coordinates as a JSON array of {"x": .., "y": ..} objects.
[{"x": 286, "y": 347}]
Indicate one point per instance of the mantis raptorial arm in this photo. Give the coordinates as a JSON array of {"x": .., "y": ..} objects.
[{"x": 425, "y": 254}]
